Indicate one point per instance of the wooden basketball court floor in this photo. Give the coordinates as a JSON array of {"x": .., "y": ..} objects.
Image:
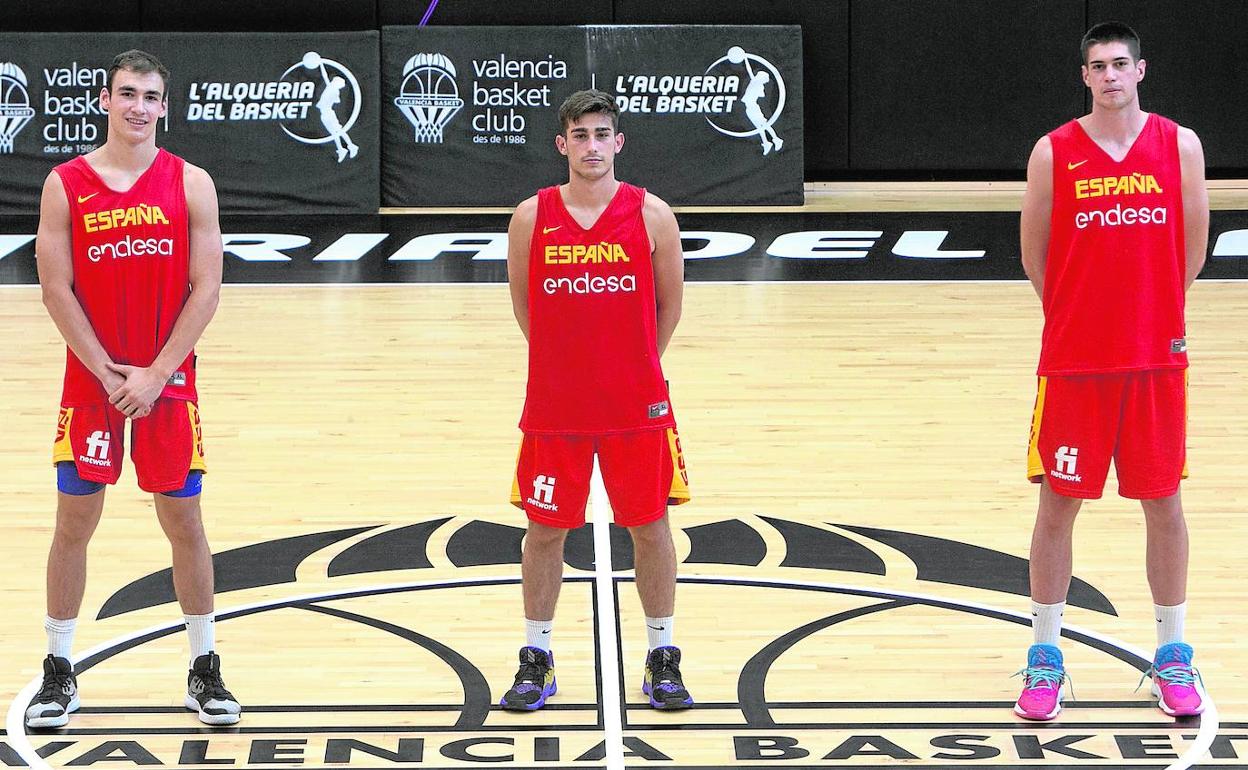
[{"x": 853, "y": 562}]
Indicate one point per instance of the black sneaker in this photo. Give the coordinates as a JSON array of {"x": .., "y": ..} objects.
[
  {"x": 206, "y": 693},
  {"x": 58, "y": 697},
  {"x": 663, "y": 683},
  {"x": 535, "y": 681}
]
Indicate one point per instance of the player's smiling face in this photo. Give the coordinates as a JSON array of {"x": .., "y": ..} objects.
[
  {"x": 1112, "y": 74},
  {"x": 134, "y": 104},
  {"x": 590, "y": 143}
]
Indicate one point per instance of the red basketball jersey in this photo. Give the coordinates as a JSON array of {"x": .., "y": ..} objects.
[
  {"x": 593, "y": 339},
  {"x": 1113, "y": 281},
  {"x": 131, "y": 256}
]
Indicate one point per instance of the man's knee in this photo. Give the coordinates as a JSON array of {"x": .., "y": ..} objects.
[
  {"x": 180, "y": 519},
  {"x": 541, "y": 535},
  {"x": 75, "y": 525},
  {"x": 1163, "y": 510},
  {"x": 652, "y": 533}
]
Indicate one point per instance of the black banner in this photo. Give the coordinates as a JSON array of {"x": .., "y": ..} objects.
[
  {"x": 712, "y": 115},
  {"x": 283, "y": 123},
  {"x": 903, "y": 246}
]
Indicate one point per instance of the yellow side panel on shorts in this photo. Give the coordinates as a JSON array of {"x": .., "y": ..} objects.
[
  {"x": 197, "y": 439},
  {"x": 680, "y": 477},
  {"x": 1035, "y": 466},
  {"x": 62, "y": 450},
  {"x": 515, "y": 480},
  {"x": 1186, "y": 412}
]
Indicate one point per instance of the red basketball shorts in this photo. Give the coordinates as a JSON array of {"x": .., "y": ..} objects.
[
  {"x": 644, "y": 472},
  {"x": 1137, "y": 418},
  {"x": 164, "y": 446}
]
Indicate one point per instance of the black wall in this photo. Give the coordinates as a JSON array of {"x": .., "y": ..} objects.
[
  {"x": 904, "y": 89},
  {"x": 504, "y": 12},
  {"x": 1196, "y": 71},
  {"x": 967, "y": 85},
  {"x": 825, "y": 54}
]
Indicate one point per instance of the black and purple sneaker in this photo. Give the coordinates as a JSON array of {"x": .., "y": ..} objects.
[
  {"x": 662, "y": 683},
  {"x": 535, "y": 681}
]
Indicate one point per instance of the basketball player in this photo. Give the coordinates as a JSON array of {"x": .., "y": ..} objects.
[
  {"x": 330, "y": 97},
  {"x": 596, "y": 273},
  {"x": 129, "y": 256},
  {"x": 1114, "y": 227},
  {"x": 755, "y": 91}
]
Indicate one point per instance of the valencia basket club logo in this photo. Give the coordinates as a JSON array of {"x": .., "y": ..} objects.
[
  {"x": 429, "y": 95},
  {"x": 806, "y": 644},
  {"x": 15, "y": 109}
]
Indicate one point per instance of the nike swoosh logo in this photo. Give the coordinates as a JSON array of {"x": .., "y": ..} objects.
[
  {"x": 550, "y": 229},
  {"x": 546, "y": 632},
  {"x": 1073, "y": 166},
  {"x": 85, "y": 198},
  {"x": 656, "y": 628}
]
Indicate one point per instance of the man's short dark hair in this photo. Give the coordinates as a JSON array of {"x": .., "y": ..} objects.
[
  {"x": 586, "y": 102},
  {"x": 141, "y": 62},
  {"x": 1110, "y": 32}
]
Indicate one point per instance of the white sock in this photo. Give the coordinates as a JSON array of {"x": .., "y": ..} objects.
[
  {"x": 659, "y": 631},
  {"x": 60, "y": 635},
  {"x": 537, "y": 633},
  {"x": 203, "y": 634},
  {"x": 1169, "y": 622},
  {"x": 1046, "y": 622}
]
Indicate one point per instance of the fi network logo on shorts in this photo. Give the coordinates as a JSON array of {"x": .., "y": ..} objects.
[
  {"x": 1067, "y": 457},
  {"x": 315, "y": 101},
  {"x": 15, "y": 109},
  {"x": 97, "y": 449},
  {"x": 429, "y": 95},
  {"x": 544, "y": 493}
]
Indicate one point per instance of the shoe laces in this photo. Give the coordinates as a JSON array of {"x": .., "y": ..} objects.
[
  {"x": 665, "y": 671},
  {"x": 532, "y": 674},
  {"x": 54, "y": 686},
  {"x": 1047, "y": 677},
  {"x": 1180, "y": 674},
  {"x": 214, "y": 686}
]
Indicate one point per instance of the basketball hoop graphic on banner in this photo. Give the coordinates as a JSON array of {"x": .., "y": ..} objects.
[
  {"x": 429, "y": 96},
  {"x": 15, "y": 109}
]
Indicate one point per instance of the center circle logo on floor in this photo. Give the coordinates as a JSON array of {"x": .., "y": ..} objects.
[{"x": 770, "y": 706}]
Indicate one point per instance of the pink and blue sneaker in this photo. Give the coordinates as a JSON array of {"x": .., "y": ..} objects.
[
  {"x": 1176, "y": 685},
  {"x": 1043, "y": 678},
  {"x": 535, "y": 681}
]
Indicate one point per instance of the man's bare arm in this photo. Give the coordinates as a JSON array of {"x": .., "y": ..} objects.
[
  {"x": 1034, "y": 224},
  {"x": 669, "y": 267},
  {"x": 519, "y": 235},
  {"x": 54, "y": 259},
  {"x": 1195, "y": 204}
]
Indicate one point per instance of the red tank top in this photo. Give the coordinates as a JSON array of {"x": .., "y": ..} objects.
[
  {"x": 1114, "y": 276},
  {"x": 593, "y": 339},
  {"x": 131, "y": 255}
]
